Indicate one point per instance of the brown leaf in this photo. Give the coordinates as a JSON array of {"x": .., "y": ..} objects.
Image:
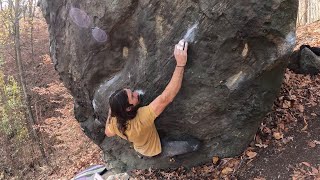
[
  {"x": 261, "y": 145},
  {"x": 215, "y": 160},
  {"x": 301, "y": 108},
  {"x": 287, "y": 139},
  {"x": 286, "y": 104},
  {"x": 306, "y": 124},
  {"x": 267, "y": 130},
  {"x": 259, "y": 178},
  {"x": 227, "y": 170},
  {"x": 306, "y": 163},
  {"x": 281, "y": 126},
  {"x": 318, "y": 175},
  {"x": 258, "y": 139},
  {"x": 251, "y": 154},
  {"x": 249, "y": 161},
  {"x": 293, "y": 97},
  {"x": 233, "y": 163},
  {"x": 277, "y": 135},
  {"x": 311, "y": 144},
  {"x": 316, "y": 142},
  {"x": 287, "y": 76},
  {"x": 315, "y": 171},
  {"x": 313, "y": 114}
]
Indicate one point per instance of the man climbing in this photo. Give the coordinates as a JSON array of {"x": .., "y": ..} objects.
[{"x": 136, "y": 124}]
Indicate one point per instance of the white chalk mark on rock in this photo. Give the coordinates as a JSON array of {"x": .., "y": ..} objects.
[
  {"x": 288, "y": 44},
  {"x": 94, "y": 104},
  {"x": 234, "y": 81},
  {"x": 245, "y": 50},
  {"x": 191, "y": 33},
  {"x": 125, "y": 52},
  {"x": 140, "y": 92},
  {"x": 291, "y": 38}
]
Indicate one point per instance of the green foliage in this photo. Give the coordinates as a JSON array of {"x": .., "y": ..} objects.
[
  {"x": 6, "y": 25},
  {"x": 7, "y": 19},
  {"x": 12, "y": 110}
]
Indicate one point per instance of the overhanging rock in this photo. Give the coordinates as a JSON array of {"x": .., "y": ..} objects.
[{"x": 237, "y": 55}]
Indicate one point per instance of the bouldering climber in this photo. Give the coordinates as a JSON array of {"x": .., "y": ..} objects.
[{"x": 136, "y": 124}]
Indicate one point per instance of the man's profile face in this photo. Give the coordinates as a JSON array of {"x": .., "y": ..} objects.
[{"x": 133, "y": 97}]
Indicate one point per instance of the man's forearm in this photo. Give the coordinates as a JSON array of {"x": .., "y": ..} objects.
[{"x": 174, "y": 85}]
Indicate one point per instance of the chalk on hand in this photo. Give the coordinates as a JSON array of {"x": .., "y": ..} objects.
[{"x": 181, "y": 44}]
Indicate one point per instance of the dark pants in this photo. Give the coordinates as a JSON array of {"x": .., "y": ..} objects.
[
  {"x": 177, "y": 146},
  {"x": 174, "y": 147}
]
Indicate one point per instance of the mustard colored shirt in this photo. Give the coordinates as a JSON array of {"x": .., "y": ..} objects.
[{"x": 141, "y": 131}]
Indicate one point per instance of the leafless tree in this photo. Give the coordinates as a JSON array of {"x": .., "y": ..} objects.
[
  {"x": 309, "y": 11},
  {"x": 18, "y": 58}
]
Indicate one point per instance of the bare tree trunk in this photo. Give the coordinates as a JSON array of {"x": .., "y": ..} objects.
[
  {"x": 10, "y": 8},
  {"x": 30, "y": 118},
  {"x": 32, "y": 13},
  {"x": 30, "y": 8},
  {"x": 307, "y": 11}
]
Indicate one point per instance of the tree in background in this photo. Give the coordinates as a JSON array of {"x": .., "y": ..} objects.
[
  {"x": 309, "y": 12},
  {"x": 13, "y": 130},
  {"x": 18, "y": 9},
  {"x": 16, "y": 117}
]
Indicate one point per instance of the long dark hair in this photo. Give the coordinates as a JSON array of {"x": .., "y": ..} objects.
[{"x": 119, "y": 103}]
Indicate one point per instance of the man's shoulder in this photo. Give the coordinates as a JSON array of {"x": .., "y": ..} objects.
[
  {"x": 146, "y": 113},
  {"x": 143, "y": 109}
]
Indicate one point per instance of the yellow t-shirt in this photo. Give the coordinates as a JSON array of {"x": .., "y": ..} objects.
[{"x": 141, "y": 131}]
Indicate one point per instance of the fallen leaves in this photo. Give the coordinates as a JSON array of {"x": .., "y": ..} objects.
[
  {"x": 251, "y": 154},
  {"x": 314, "y": 171},
  {"x": 259, "y": 143},
  {"x": 287, "y": 140},
  {"x": 313, "y": 143},
  {"x": 215, "y": 160},
  {"x": 227, "y": 170},
  {"x": 267, "y": 130},
  {"x": 314, "y": 114},
  {"x": 306, "y": 170},
  {"x": 306, "y": 164},
  {"x": 300, "y": 107},
  {"x": 259, "y": 178},
  {"x": 286, "y": 104},
  {"x": 305, "y": 124},
  {"x": 277, "y": 135}
]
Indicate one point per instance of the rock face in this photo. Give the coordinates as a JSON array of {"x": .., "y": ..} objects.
[
  {"x": 237, "y": 55},
  {"x": 306, "y": 60},
  {"x": 309, "y": 61}
]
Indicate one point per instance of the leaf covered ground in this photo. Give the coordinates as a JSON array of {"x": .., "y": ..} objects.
[{"x": 286, "y": 146}]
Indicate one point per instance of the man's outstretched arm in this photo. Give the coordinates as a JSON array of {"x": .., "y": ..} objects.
[{"x": 166, "y": 97}]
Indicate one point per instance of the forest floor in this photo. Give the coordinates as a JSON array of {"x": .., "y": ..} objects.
[{"x": 287, "y": 145}]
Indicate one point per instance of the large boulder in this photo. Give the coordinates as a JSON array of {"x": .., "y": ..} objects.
[
  {"x": 237, "y": 56},
  {"x": 306, "y": 60}
]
